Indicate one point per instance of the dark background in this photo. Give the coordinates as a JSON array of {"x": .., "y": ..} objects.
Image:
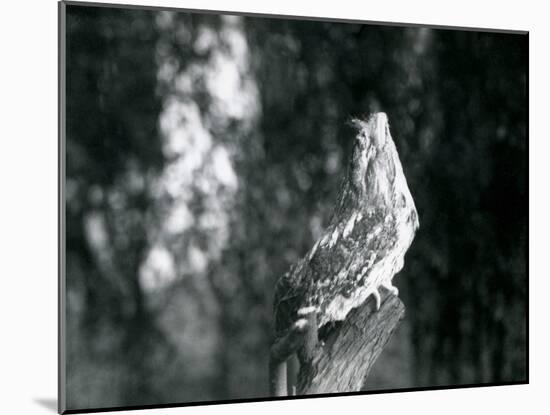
[{"x": 203, "y": 156}]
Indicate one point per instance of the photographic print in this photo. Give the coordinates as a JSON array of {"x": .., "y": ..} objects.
[{"x": 262, "y": 207}]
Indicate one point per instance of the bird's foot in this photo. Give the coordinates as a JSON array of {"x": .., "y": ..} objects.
[{"x": 391, "y": 288}]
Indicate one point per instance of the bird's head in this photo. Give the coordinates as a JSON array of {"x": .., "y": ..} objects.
[{"x": 375, "y": 169}]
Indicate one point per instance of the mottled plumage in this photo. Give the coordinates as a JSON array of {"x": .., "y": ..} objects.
[{"x": 373, "y": 225}]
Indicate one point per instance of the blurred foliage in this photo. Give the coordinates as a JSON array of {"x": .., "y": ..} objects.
[{"x": 203, "y": 156}]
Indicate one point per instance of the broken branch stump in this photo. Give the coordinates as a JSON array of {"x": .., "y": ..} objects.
[{"x": 348, "y": 354}]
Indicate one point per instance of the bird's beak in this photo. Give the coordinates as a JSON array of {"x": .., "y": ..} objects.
[{"x": 379, "y": 127}]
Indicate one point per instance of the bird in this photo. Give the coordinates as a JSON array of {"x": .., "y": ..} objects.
[{"x": 373, "y": 223}]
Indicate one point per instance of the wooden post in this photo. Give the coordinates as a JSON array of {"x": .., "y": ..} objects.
[
  {"x": 345, "y": 359},
  {"x": 280, "y": 352}
]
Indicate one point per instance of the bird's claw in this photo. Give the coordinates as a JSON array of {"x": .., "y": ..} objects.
[
  {"x": 377, "y": 298},
  {"x": 391, "y": 288}
]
